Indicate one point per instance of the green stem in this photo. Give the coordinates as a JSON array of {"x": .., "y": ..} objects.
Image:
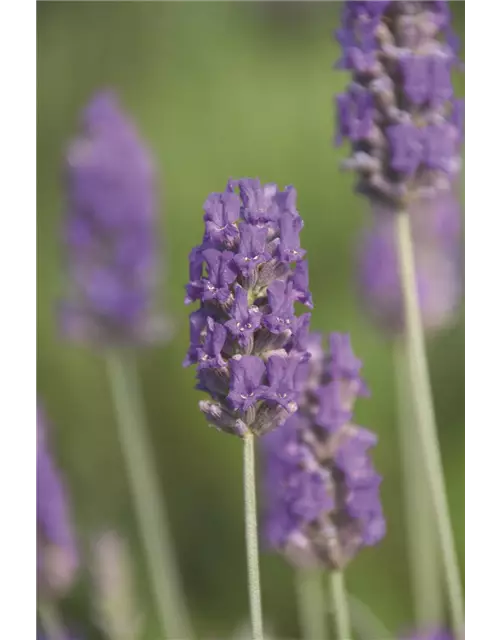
[
  {"x": 252, "y": 539},
  {"x": 50, "y": 621},
  {"x": 310, "y": 599},
  {"x": 340, "y": 606},
  {"x": 146, "y": 495},
  {"x": 424, "y": 412},
  {"x": 423, "y": 541}
]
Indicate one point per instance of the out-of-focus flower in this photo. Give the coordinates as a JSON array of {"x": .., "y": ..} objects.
[
  {"x": 436, "y": 634},
  {"x": 399, "y": 113},
  {"x": 320, "y": 487},
  {"x": 246, "y": 340},
  {"x": 57, "y": 558},
  {"x": 438, "y": 272},
  {"x": 110, "y": 231},
  {"x": 114, "y": 599}
]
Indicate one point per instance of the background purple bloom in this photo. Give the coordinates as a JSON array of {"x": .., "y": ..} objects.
[
  {"x": 247, "y": 281},
  {"x": 110, "y": 230},
  {"x": 438, "y": 263},
  {"x": 320, "y": 487},
  {"x": 57, "y": 558}
]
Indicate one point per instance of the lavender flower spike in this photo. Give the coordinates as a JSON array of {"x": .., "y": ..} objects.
[
  {"x": 405, "y": 130},
  {"x": 56, "y": 547},
  {"x": 321, "y": 490},
  {"x": 399, "y": 112},
  {"x": 247, "y": 275},
  {"x": 110, "y": 231}
]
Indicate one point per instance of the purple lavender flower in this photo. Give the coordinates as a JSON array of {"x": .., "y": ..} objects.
[
  {"x": 246, "y": 340},
  {"x": 438, "y": 270},
  {"x": 57, "y": 558},
  {"x": 110, "y": 230},
  {"x": 320, "y": 487},
  {"x": 398, "y": 113}
]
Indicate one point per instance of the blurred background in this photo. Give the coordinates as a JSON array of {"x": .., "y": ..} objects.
[{"x": 218, "y": 90}]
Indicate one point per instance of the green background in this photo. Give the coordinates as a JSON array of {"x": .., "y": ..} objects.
[{"x": 217, "y": 90}]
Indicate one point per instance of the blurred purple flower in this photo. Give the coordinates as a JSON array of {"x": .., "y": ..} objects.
[
  {"x": 247, "y": 275},
  {"x": 399, "y": 113},
  {"x": 320, "y": 488},
  {"x": 110, "y": 231},
  {"x": 57, "y": 557},
  {"x": 438, "y": 269}
]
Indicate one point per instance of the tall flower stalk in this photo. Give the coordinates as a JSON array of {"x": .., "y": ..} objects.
[
  {"x": 405, "y": 128},
  {"x": 435, "y": 236},
  {"x": 112, "y": 261},
  {"x": 245, "y": 339},
  {"x": 320, "y": 486},
  {"x": 311, "y": 604}
]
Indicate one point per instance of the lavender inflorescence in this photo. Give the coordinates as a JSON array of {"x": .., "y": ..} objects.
[
  {"x": 57, "y": 556},
  {"x": 110, "y": 231},
  {"x": 246, "y": 275},
  {"x": 399, "y": 112},
  {"x": 321, "y": 489}
]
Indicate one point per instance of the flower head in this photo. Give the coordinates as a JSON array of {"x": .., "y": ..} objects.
[
  {"x": 57, "y": 557},
  {"x": 320, "y": 487},
  {"x": 399, "y": 113},
  {"x": 247, "y": 274},
  {"x": 110, "y": 230}
]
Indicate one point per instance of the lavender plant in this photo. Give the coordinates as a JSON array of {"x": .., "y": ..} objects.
[
  {"x": 246, "y": 341},
  {"x": 57, "y": 555},
  {"x": 322, "y": 491},
  {"x": 405, "y": 129},
  {"x": 110, "y": 232}
]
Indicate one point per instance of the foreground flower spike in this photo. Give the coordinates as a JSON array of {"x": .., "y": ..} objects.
[
  {"x": 113, "y": 594},
  {"x": 246, "y": 340},
  {"x": 321, "y": 489},
  {"x": 405, "y": 129},
  {"x": 246, "y": 276},
  {"x": 57, "y": 553},
  {"x": 110, "y": 231},
  {"x": 399, "y": 113}
]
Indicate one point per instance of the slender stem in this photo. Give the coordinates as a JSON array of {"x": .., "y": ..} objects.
[
  {"x": 311, "y": 603},
  {"x": 50, "y": 620},
  {"x": 423, "y": 542},
  {"x": 252, "y": 538},
  {"x": 146, "y": 495},
  {"x": 340, "y": 606},
  {"x": 424, "y": 412}
]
